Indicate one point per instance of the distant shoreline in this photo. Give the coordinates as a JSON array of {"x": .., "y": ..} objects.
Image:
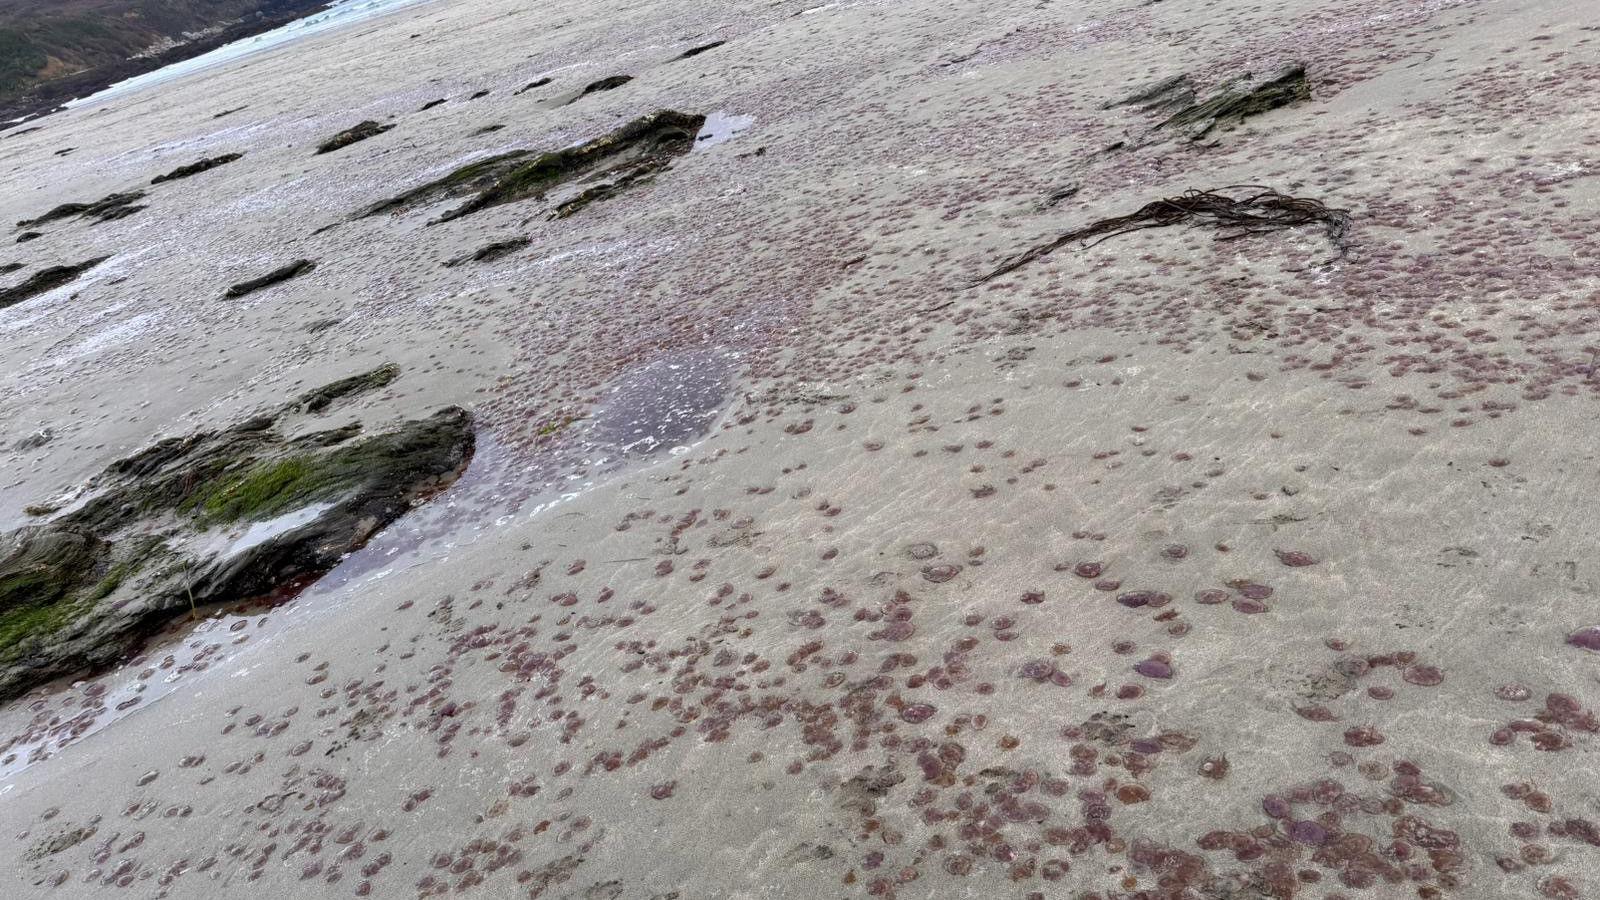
[{"x": 51, "y": 96}]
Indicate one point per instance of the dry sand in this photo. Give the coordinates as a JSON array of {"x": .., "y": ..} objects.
[{"x": 826, "y": 631}]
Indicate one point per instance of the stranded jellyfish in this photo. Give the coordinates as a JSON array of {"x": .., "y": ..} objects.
[
  {"x": 1295, "y": 558},
  {"x": 1308, "y": 832},
  {"x": 1588, "y": 638},
  {"x": 1515, "y": 693},
  {"x": 1154, "y": 668},
  {"x": 1424, "y": 676},
  {"x": 917, "y": 712}
]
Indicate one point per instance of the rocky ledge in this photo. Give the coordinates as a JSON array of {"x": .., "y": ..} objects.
[{"x": 212, "y": 517}]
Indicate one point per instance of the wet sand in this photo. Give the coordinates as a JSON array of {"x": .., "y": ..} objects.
[{"x": 796, "y": 564}]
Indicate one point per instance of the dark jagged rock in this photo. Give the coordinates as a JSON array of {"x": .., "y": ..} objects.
[
  {"x": 609, "y": 83},
  {"x": 27, "y": 236},
  {"x": 46, "y": 280},
  {"x": 355, "y": 133},
  {"x": 10, "y": 267},
  {"x": 1166, "y": 95},
  {"x": 294, "y": 269},
  {"x": 630, "y": 155},
  {"x": 320, "y": 399},
  {"x": 468, "y": 179},
  {"x": 111, "y": 206},
  {"x": 1242, "y": 98},
  {"x": 195, "y": 168},
  {"x": 212, "y": 517},
  {"x": 636, "y": 151},
  {"x": 34, "y": 441},
  {"x": 537, "y": 83},
  {"x": 490, "y": 252},
  {"x": 696, "y": 51}
]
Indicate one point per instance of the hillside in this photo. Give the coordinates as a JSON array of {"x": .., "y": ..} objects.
[{"x": 54, "y": 50}]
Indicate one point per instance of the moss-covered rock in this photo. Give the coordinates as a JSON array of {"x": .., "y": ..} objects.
[
  {"x": 628, "y": 156},
  {"x": 210, "y": 517},
  {"x": 637, "y": 150}
]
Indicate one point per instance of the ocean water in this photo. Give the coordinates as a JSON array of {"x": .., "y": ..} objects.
[{"x": 339, "y": 15}]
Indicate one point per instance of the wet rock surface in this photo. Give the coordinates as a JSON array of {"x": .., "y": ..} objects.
[
  {"x": 46, "y": 279},
  {"x": 108, "y": 208},
  {"x": 1246, "y": 96},
  {"x": 599, "y": 168},
  {"x": 196, "y": 167},
  {"x": 276, "y": 276},
  {"x": 354, "y": 134},
  {"x": 211, "y": 517}
]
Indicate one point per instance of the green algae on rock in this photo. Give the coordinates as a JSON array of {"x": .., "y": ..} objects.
[
  {"x": 46, "y": 280},
  {"x": 283, "y": 273},
  {"x": 627, "y": 156},
  {"x": 195, "y": 168},
  {"x": 355, "y": 133},
  {"x": 640, "y": 149},
  {"x": 468, "y": 179},
  {"x": 212, "y": 517}
]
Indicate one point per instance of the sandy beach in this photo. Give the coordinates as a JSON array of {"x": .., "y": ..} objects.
[{"x": 797, "y": 556}]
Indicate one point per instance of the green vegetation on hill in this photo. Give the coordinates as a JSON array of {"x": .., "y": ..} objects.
[{"x": 54, "y": 50}]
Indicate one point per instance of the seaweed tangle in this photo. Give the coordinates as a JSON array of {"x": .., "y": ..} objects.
[{"x": 1260, "y": 212}]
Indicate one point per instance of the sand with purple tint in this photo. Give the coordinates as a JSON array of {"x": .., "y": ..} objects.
[{"x": 795, "y": 565}]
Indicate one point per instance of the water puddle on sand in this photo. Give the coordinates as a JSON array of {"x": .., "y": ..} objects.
[
  {"x": 661, "y": 407},
  {"x": 720, "y": 128}
]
